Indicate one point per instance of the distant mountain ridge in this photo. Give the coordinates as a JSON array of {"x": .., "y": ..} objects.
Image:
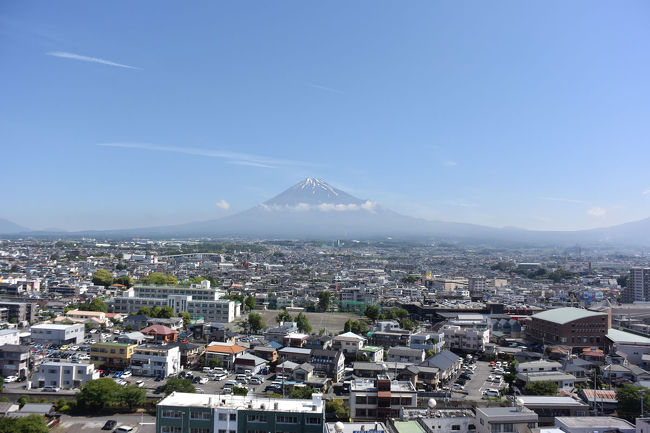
[{"x": 314, "y": 209}]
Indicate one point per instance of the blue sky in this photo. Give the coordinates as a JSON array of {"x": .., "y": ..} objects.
[{"x": 127, "y": 114}]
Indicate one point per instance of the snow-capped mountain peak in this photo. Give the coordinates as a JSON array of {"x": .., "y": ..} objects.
[{"x": 313, "y": 191}]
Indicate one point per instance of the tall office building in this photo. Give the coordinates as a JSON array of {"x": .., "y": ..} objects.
[{"x": 638, "y": 286}]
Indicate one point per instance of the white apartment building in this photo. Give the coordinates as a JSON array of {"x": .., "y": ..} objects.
[
  {"x": 156, "y": 360},
  {"x": 517, "y": 419},
  {"x": 64, "y": 375},
  {"x": 9, "y": 336},
  {"x": 48, "y": 333},
  {"x": 466, "y": 339},
  {"x": 199, "y": 300}
]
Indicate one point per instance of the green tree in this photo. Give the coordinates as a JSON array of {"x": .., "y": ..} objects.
[
  {"x": 144, "y": 311},
  {"x": 160, "y": 279},
  {"x": 215, "y": 363},
  {"x": 337, "y": 410},
  {"x": 401, "y": 313},
  {"x": 28, "y": 424},
  {"x": 250, "y": 303},
  {"x": 197, "y": 280},
  {"x": 283, "y": 316},
  {"x": 372, "y": 312},
  {"x": 239, "y": 390},
  {"x": 155, "y": 311},
  {"x": 97, "y": 304},
  {"x": 165, "y": 312},
  {"x": 407, "y": 324},
  {"x": 302, "y": 323},
  {"x": 120, "y": 267},
  {"x": 102, "y": 277},
  {"x": 622, "y": 280},
  {"x": 541, "y": 388},
  {"x": 255, "y": 322},
  {"x": 124, "y": 280},
  {"x": 98, "y": 394},
  {"x": 324, "y": 300},
  {"x": 301, "y": 392},
  {"x": 629, "y": 401},
  {"x": 133, "y": 397},
  {"x": 186, "y": 317},
  {"x": 430, "y": 353},
  {"x": 179, "y": 385}
]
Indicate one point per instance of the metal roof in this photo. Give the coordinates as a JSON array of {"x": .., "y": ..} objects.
[{"x": 565, "y": 315}]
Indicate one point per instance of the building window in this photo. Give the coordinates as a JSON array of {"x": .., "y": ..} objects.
[
  {"x": 361, "y": 412},
  {"x": 361, "y": 399},
  {"x": 170, "y": 429},
  {"x": 201, "y": 415},
  {"x": 455, "y": 427},
  {"x": 168, "y": 413},
  {"x": 201, "y": 430},
  {"x": 285, "y": 419},
  {"x": 257, "y": 418},
  {"x": 223, "y": 416},
  {"x": 233, "y": 417},
  {"x": 314, "y": 420}
]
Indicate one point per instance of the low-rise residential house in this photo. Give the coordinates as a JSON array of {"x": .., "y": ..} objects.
[
  {"x": 303, "y": 373},
  {"x": 295, "y": 339},
  {"x": 250, "y": 362},
  {"x": 15, "y": 360},
  {"x": 111, "y": 356},
  {"x": 380, "y": 399},
  {"x": 134, "y": 337},
  {"x": 64, "y": 375},
  {"x": 505, "y": 419},
  {"x": 330, "y": 363},
  {"x": 156, "y": 360},
  {"x": 405, "y": 354},
  {"x": 394, "y": 337},
  {"x": 594, "y": 424},
  {"x": 268, "y": 353},
  {"x": 278, "y": 333},
  {"x": 225, "y": 353},
  {"x": 349, "y": 343},
  {"x": 428, "y": 341},
  {"x": 190, "y": 353},
  {"x": 318, "y": 342},
  {"x": 601, "y": 400},
  {"x": 535, "y": 366},
  {"x": 621, "y": 373},
  {"x": 549, "y": 407},
  {"x": 371, "y": 353},
  {"x": 294, "y": 354},
  {"x": 161, "y": 333},
  {"x": 48, "y": 333},
  {"x": 91, "y": 317},
  {"x": 563, "y": 380},
  {"x": 421, "y": 376},
  {"x": 447, "y": 363},
  {"x": 368, "y": 369}
]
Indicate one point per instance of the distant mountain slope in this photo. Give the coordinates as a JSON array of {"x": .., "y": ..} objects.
[
  {"x": 8, "y": 227},
  {"x": 314, "y": 209}
]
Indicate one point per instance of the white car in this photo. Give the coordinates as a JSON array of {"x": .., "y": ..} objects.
[
  {"x": 139, "y": 383},
  {"x": 123, "y": 429},
  {"x": 490, "y": 392},
  {"x": 127, "y": 373},
  {"x": 203, "y": 380},
  {"x": 457, "y": 387},
  {"x": 10, "y": 379}
]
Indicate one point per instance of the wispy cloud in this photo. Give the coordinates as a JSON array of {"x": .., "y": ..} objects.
[
  {"x": 223, "y": 204},
  {"x": 646, "y": 192},
  {"x": 564, "y": 200},
  {"x": 450, "y": 163},
  {"x": 596, "y": 211},
  {"x": 230, "y": 157},
  {"x": 327, "y": 89},
  {"x": 73, "y": 56}
]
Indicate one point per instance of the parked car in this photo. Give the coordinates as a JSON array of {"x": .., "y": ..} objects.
[
  {"x": 123, "y": 429},
  {"x": 256, "y": 380},
  {"x": 50, "y": 389},
  {"x": 10, "y": 379},
  {"x": 118, "y": 374},
  {"x": 159, "y": 378},
  {"x": 203, "y": 380},
  {"x": 127, "y": 373},
  {"x": 109, "y": 425},
  {"x": 139, "y": 383},
  {"x": 490, "y": 392},
  {"x": 457, "y": 387}
]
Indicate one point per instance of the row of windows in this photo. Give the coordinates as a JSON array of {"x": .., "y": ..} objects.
[
  {"x": 257, "y": 418},
  {"x": 224, "y": 416},
  {"x": 285, "y": 419},
  {"x": 199, "y": 415}
]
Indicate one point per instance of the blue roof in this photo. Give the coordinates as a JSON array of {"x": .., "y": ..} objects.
[{"x": 275, "y": 345}]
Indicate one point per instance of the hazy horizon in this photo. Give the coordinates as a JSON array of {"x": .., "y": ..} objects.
[{"x": 506, "y": 114}]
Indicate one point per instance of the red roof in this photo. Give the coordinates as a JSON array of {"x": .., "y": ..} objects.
[{"x": 158, "y": 330}]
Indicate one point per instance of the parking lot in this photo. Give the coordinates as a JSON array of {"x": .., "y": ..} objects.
[
  {"x": 479, "y": 382},
  {"x": 80, "y": 424}
]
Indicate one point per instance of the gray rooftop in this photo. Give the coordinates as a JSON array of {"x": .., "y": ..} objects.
[{"x": 566, "y": 315}]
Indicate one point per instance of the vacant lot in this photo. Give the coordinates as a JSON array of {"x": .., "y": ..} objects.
[{"x": 332, "y": 322}]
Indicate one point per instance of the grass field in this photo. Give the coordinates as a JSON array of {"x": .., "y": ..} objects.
[{"x": 332, "y": 322}]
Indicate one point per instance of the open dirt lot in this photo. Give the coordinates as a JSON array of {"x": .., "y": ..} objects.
[{"x": 333, "y": 322}]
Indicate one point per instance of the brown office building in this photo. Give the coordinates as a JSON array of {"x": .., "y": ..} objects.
[{"x": 575, "y": 327}]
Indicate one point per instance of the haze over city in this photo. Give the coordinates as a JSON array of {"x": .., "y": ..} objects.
[{"x": 499, "y": 114}]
